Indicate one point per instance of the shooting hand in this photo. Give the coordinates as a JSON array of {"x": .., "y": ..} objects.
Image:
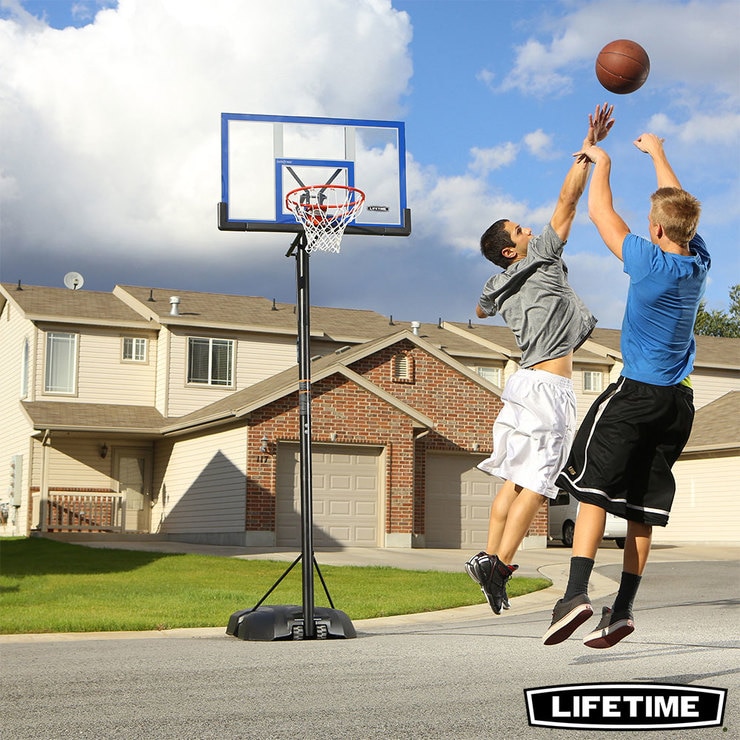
[
  {"x": 600, "y": 123},
  {"x": 649, "y": 143}
]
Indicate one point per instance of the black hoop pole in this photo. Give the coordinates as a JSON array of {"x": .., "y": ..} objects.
[{"x": 304, "y": 407}]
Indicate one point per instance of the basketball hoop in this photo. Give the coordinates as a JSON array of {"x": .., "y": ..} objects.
[{"x": 324, "y": 211}]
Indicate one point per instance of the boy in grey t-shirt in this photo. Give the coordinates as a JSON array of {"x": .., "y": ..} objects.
[{"x": 534, "y": 430}]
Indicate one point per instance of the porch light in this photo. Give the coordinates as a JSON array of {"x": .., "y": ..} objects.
[
  {"x": 104, "y": 450},
  {"x": 264, "y": 444}
]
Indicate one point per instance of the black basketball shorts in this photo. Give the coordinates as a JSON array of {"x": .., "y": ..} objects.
[{"x": 624, "y": 450}]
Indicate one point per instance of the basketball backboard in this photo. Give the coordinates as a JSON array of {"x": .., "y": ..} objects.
[{"x": 264, "y": 157}]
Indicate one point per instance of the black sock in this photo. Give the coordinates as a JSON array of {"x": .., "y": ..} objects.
[
  {"x": 626, "y": 595},
  {"x": 580, "y": 572}
]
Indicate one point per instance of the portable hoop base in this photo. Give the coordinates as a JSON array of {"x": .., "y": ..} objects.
[{"x": 286, "y": 622}]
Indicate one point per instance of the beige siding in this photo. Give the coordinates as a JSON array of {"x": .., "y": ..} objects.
[
  {"x": 102, "y": 376},
  {"x": 203, "y": 487},
  {"x": 584, "y": 399},
  {"x": 706, "y": 508},
  {"x": 76, "y": 463},
  {"x": 14, "y": 426},
  {"x": 256, "y": 358},
  {"x": 709, "y": 385}
]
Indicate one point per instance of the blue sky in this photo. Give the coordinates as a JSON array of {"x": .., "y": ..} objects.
[{"x": 109, "y": 136}]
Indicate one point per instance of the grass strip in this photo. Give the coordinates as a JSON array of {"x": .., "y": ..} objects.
[{"x": 49, "y": 586}]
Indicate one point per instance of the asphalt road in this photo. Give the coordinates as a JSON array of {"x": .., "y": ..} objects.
[{"x": 457, "y": 675}]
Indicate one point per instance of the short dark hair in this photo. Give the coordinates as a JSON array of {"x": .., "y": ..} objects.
[{"x": 494, "y": 241}]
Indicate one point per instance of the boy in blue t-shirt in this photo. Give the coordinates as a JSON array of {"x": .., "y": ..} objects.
[{"x": 623, "y": 453}]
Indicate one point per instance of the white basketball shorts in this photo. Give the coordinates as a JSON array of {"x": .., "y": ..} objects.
[{"x": 534, "y": 430}]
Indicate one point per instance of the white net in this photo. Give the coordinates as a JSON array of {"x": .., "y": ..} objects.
[{"x": 324, "y": 211}]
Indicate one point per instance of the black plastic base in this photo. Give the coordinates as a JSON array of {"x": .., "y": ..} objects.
[{"x": 286, "y": 622}]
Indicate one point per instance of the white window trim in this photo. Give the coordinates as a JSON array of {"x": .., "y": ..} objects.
[
  {"x": 209, "y": 383},
  {"x": 136, "y": 342},
  {"x": 593, "y": 374},
  {"x": 497, "y": 373},
  {"x": 75, "y": 347}
]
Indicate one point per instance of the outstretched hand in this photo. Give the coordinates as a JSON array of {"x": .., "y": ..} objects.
[
  {"x": 649, "y": 143},
  {"x": 600, "y": 123},
  {"x": 590, "y": 153}
]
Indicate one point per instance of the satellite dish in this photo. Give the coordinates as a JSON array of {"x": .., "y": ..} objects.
[{"x": 73, "y": 280}]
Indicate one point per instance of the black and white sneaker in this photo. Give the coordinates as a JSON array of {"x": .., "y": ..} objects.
[
  {"x": 472, "y": 572},
  {"x": 567, "y": 617},
  {"x": 611, "y": 629},
  {"x": 471, "y": 567},
  {"x": 491, "y": 575}
]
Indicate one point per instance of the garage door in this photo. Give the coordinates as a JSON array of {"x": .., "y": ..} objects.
[
  {"x": 346, "y": 496},
  {"x": 458, "y": 501}
]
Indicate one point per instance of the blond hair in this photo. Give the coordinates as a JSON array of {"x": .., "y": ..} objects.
[{"x": 677, "y": 212}]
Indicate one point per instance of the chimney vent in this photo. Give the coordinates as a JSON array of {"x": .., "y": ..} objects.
[{"x": 174, "y": 305}]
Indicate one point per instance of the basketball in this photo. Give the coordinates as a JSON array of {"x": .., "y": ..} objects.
[{"x": 622, "y": 66}]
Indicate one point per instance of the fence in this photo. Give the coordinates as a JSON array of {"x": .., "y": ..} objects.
[{"x": 78, "y": 512}]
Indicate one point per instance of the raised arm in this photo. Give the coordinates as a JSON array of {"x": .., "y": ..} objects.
[
  {"x": 652, "y": 145},
  {"x": 599, "y": 125},
  {"x": 609, "y": 223}
]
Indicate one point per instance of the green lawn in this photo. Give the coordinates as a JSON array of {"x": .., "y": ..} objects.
[{"x": 50, "y": 586}]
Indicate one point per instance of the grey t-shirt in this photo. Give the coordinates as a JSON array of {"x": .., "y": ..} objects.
[{"x": 535, "y": 300}]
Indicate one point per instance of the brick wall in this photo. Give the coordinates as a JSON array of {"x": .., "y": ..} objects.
[{"x": 462, "y": 410}]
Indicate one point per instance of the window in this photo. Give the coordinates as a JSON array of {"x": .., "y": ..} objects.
[
  {"x": 210, "y": 361},
  {"x": 61, "y": 362},
  {"x": 592, "y": 381},
  {"x": 402, "y": 368},
  {"x": 134, "y": 349},
  {"x": 491, "y": 374},
  {"x": 25, "y": 368}
]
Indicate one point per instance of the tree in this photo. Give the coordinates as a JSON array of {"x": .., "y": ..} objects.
[{"x": 717, "y": 323}]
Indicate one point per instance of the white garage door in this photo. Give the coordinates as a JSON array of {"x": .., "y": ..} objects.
[
  {"x": 458, "y": 501},
  {"x": 346, "y": 496}
]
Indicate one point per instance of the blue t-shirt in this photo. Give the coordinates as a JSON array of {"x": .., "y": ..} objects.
[{"x": 665, "y": 289}]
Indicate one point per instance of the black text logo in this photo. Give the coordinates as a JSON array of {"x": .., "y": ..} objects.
[{"x": 630, "y": 706}]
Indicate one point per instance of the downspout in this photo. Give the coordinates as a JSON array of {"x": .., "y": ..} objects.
[{"x": 44, "y": 494}]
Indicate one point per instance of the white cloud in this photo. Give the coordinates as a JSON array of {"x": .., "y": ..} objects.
[
  {"x": 118, "y": 122},
  {"x": 539, "y": 144},
  {"x": 700, "y": 129},
  {"x": 487, "y": 160}
]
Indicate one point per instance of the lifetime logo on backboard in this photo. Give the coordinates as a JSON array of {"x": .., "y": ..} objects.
[{"x": 625, "y": 706}]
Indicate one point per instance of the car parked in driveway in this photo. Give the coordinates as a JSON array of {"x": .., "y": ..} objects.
[{"x": 562, "y": 513}]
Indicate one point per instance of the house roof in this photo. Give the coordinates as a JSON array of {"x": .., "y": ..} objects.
[
  {"x": 218, "y": 310},
  {"x": 60, "y": 305},
  {"x": 716, "y": 425},
  {"x": 501, "y": 340},
  {"x": 717, "y": 353},
  {"x": 243, "y": 402},
  {"x": 94, "y": 417}
]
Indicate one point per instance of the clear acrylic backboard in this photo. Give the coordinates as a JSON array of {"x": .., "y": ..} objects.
[{"x": 264, "y": 157}]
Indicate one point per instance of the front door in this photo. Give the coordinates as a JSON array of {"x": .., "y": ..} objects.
[{"x": 134, "y": 484}]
